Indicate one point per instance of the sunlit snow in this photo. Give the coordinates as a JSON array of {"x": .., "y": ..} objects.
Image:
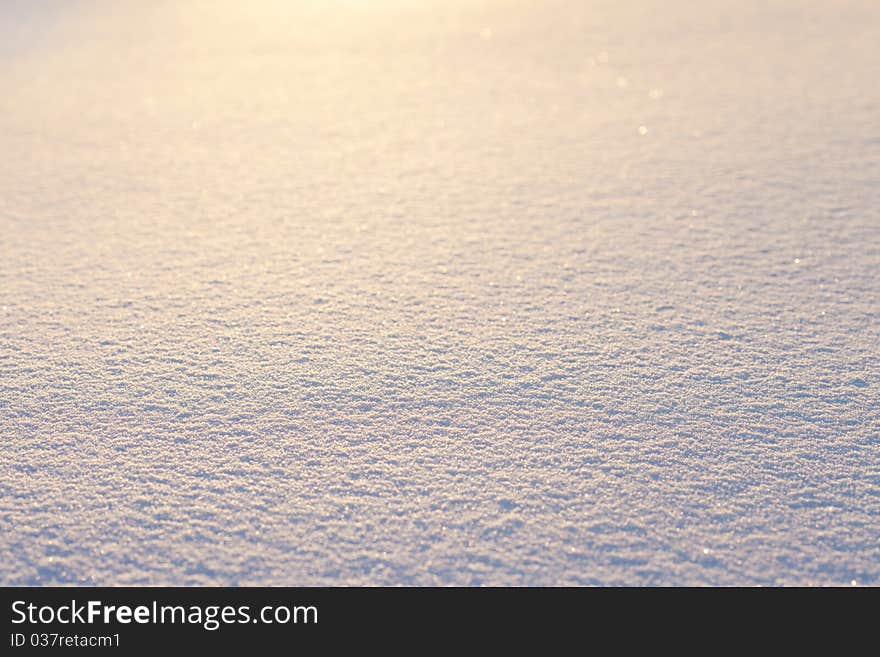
[{"x": 442, "y": 292}]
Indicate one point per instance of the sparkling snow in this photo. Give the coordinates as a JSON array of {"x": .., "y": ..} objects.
[{"x": 442, "y": 292}]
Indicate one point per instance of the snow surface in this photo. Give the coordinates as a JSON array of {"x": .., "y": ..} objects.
[{"x": 531, "y": 292}]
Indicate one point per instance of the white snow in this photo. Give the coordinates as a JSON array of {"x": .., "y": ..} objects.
[{"x": 537, "y": 292}]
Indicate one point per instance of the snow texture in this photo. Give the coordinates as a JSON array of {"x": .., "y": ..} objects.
[{"x": 389, "y": 292}]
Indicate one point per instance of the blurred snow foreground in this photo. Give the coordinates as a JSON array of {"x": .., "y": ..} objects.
[{"x": 440, "y": 293}]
